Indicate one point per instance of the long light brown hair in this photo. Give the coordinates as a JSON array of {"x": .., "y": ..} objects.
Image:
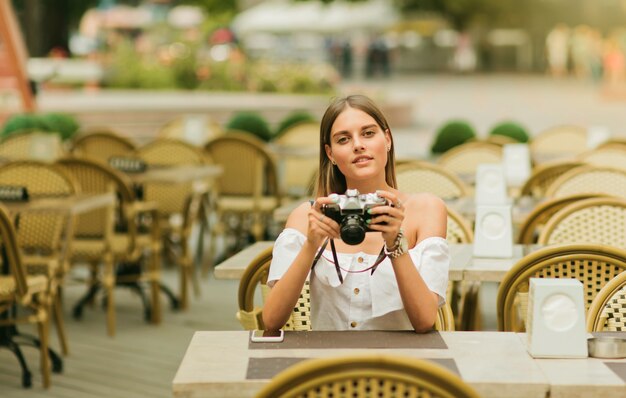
[{"x": 330, "y": 179}]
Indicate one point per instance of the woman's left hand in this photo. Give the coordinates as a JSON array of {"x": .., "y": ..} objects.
[{"x": 387, "y": 219}]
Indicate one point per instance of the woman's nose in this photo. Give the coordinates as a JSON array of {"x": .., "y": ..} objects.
[{"x": 358, "y": 145}]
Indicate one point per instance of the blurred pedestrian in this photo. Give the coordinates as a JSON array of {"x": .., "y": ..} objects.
[{"x": 557, "y": 43}]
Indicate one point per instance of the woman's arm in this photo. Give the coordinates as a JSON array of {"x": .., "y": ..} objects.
[{"x": 285, "y": 293}]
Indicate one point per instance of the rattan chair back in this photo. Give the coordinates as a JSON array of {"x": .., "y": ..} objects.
[
  {"x": 595, "y": 220},
  {"x": 102, "y": 145},
  {"x": 194, "y": 129},
  {"x": 298, "y": 151},
  {"x": 371, "y": 375},
  {"x": 544, "y": 175},
  {"x": 558, "y": 142},
  {"x": 416, "y": 177},
  {"x": 614, "y": 156},
  {"x": 459, "y": 229},
  {"x": 607, "y": 312},
  {"x": 594, "y": 265},
  {"x": 535, "y": 221},
  {"x": 619, "y": 143},
  {"x": 255, "y": 276},
  {"x": 590, "y": 180},
  {"x": 31, "y": 145},
  {"x": 464, "y": 159}
]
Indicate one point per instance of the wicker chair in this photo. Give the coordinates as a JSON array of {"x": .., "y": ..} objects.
[
  {"x": 112, "y": 236},
  {"x": 31, "y": 145},
  {"x": 559, "y": 142},
  {"x": 23, "y": 299},
  {"x": 607, "y": 311},
  {"x": 619, "y": 143},
  {"x": 594, "y": 265},
  {"x": 297, "y": 149},
  {"x": 204, "y": 129},
  {"x": 605, "y": 157},
  {"x": 426, "y": 177},
  {"x": 464, "y": 159},
  {"x": 249, "y": 186},
  {"x": 596, "y": 220},
  {"x": 39, "y": 234},
  {"x": 102, "y": 145},
  {"x": 544, "y": 175},
  {"x": 535, "y": 221},
  {"x": 255, "y": 275},
  {"x": 178, "y": 204},
  {"x": 370, "y": 375},
  {"x": 590, "y": 179}
]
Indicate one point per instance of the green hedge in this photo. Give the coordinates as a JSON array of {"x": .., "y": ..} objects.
[
  {"x": 250, "y": 122},
  {"x": 64, "y": 125},
  {"x": 452, "y": 134},
  {"x": 512, "y": 130}
]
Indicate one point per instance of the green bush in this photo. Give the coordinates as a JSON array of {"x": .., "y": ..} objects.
[
  {"x": 250, "y": 122},
  {"x": 64, "y": 125},
  {"x": 512, "y": 130},
  {"x": 295, "y": 117},
  {"x": 452, "y": 134}
]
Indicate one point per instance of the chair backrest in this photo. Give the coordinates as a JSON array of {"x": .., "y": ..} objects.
[
  {"x": 619, "y": 143},
  {"x": 249, "y": 169},
  {"x": 255, "y": 276},
  {"x": 301, "y": 135},
  {"x": 594, "y": 265},
  {"x": 31, "y": 145},
  {"x": 193, "y": 129},
  {"x": 459, "y": 229},
  {"x": 416, "y": 177},
  {"x": 166, "y": 153},
  {"x": 544, "y": 175},
  {"x": 465, "y": 158},
  {"x": 535, "y": 221},
  {"x": 564, "y": 141},
  {"x": 371, "y": 375},
  {"x": 595, "y": 220},
  {"x": 40, "y": 231},
  {"x": 298, "y": 151},
  {"x": 102, "y": 145},
  {"x": 614, "y": 156},
  {"x": 8, "y": 240},
  {"x": 607, "y": 312},
  {"x": 590, "y": 179}
]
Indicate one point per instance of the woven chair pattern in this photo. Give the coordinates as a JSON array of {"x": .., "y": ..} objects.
[
  {"x": 102, "y": 145},
  {"x": 459, "y": 229},
  {"x": 593, "y": 265},
  {"x": 367, "y": 376},
  {"x": 614, "y": 312},
  {"x": 559, "y": 140},
  {"x": 590, "y": 221},
  {"x": 464, "y": 159},
  {"x": 424, "y": 177},
  {"x": 605, "y": 157},
  {"x": 608, "y": 309},
  {"x": 19, "y": 146},
  {"x": 590, "y": 179},
  {"x": 543, "y": 176},
  {"x": 176, "y": 129}
]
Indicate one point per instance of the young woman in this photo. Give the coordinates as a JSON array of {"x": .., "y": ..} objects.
[{"x": 406, "y": 288}]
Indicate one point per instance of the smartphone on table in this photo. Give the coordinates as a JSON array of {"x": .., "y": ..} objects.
[{"x": 267, "y": 336}]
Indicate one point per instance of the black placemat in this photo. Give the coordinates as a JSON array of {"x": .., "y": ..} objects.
[
  {"x": 619, "y": 368},
  {"x": 356, "y": 339},
  {"x": 267, "y": 368}
]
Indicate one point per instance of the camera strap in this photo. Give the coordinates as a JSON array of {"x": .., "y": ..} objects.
[{"x": 379, "y": 259}]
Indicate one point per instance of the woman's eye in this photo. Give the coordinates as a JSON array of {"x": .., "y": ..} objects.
[
  {"x": 369, "y": 133},
  {"x": 342, "y": 140}
]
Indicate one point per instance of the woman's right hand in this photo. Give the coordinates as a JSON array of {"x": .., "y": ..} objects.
[{"x": 320, "y": 226}]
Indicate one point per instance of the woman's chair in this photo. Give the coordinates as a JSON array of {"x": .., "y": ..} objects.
[
  {"x": 591, "y": 180},
  {"x": 255, "y": 276},
  {"x": 594, "y": 265},
  {"x": 23, "y": 299},
  {"x": 595, "y": 220},
  {"x": 371, "y": 375},
  {"x": 535, "y": 221},
  {"x": 102, "y": 144},
  {"x": 607, "y": 312},
  {"x": 465, "y": 158},
  {"x": 416, "y": 177},
  {"x": 544, "y": 175},
  {"x": 558, "y": 142}
]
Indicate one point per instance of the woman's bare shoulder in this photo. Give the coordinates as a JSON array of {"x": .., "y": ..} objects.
[
  {"x": 298, "y": 219},
  {"x": 425, "y": 201}
]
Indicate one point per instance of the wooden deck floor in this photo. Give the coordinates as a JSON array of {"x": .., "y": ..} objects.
[{"x": 140, "y": 361}]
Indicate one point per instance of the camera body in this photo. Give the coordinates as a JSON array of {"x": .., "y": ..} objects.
[{"x": 350, "y": 212}]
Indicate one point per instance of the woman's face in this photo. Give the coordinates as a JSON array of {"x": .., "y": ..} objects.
[{"x": 358, "y": 145}]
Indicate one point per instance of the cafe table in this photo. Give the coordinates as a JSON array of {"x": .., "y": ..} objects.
[{"x": 497, "y": 364}]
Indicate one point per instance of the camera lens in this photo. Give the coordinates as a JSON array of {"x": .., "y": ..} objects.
[{"x": 352, "y": 230}]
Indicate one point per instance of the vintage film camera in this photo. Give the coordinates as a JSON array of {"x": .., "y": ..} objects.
[{"x": 350, "y": 212}]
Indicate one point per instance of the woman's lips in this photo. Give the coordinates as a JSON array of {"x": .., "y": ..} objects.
[{"x": 361, "y": 159}]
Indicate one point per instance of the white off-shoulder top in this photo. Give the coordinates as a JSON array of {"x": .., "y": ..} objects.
[{"x": 364, "y": 301}]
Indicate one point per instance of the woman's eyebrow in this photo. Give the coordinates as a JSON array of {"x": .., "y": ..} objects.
[{"x": 369, "y": 126}]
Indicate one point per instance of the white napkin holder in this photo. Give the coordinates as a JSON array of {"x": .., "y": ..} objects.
[
  {"x": 516, "y": 164},
  {"x": 493, "y": 232},
  {"x": 597, "y": 135},
  {"x": 556, "y": 319},
  {"x": 490, "y": 185}
]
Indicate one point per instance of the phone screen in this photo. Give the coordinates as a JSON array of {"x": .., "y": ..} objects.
[{"x": 266, "y": 336}]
